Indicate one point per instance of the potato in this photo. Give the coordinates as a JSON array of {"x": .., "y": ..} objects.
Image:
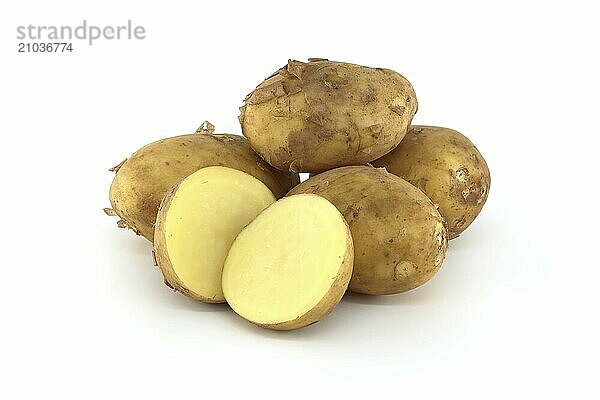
[
  {"x": 447, "y": 167},
  {"x": 310, "y": 117},
  {"x": 197, "y": 223},
  {"x": 400, "y": 238},
  {"x": 291, "y": 265},
  {"x": 143, "y": 180}
]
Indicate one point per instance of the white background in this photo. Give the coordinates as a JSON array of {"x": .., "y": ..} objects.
[{"x": 513, "y": 313}]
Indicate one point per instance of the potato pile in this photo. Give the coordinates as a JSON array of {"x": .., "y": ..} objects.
[{"x": 231, "y": 222}]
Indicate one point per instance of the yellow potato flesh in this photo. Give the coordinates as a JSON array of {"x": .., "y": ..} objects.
[
  {"x": 206, "y": 213},
  {"x": 285, "y": 264}
]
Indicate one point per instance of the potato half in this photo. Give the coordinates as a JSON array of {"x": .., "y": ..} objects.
[
  {"x": 142, "y": 181},
  {"x": 400, "y": 238},
  {"x": 310, "y": 117},
  {"x": 447, "y": 167},
  {"x": 291, "y": 265},
  {"x": 197, "y": 223}
]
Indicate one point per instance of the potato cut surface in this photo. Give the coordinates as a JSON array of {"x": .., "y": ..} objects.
[
  {"x": 197, "y": 224},
  {"x": 291, "y": 265}
]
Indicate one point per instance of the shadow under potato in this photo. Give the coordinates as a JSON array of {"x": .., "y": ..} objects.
[
  {"x": 319, "y": 330},
  {"x": 406, "y": 298},
  {"x": 179, "y": 301}
]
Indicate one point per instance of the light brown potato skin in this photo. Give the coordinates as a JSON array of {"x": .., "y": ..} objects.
[
  {"x": 447, "y": 167},
  {"x": 400, "y": 239},
  {"x": 310, "y": 117},
  {"x": 142, "y": 181}
]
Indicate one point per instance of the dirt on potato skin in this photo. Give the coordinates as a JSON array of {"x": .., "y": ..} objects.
[
  {"x": 143, "y": 179},
  {"x": 447, "y": 167},
  {"x": 400, "y": 239},
  {"x": 311, "y": 117}
]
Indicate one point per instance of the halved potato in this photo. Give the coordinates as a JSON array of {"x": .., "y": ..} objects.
[
  {"x": 291, "y": 265},
  {"x": 197, "y": 223}
]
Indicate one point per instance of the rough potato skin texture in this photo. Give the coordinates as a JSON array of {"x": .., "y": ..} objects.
[
  {"x": 400, "y": 239},
  {"x": 162, "y": 255},
  {"x": 311, "y": 117},
  {"x": 142, "y": 181},
  {"x": 447, "y": 167}
]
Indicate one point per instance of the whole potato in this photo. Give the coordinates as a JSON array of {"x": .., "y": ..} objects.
[
  {"x": 310, "y": 117},
  {"x": 142, "y": 181},
  {"x": 447, "y": 167},
  {"x": 400, "y": 239}
]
